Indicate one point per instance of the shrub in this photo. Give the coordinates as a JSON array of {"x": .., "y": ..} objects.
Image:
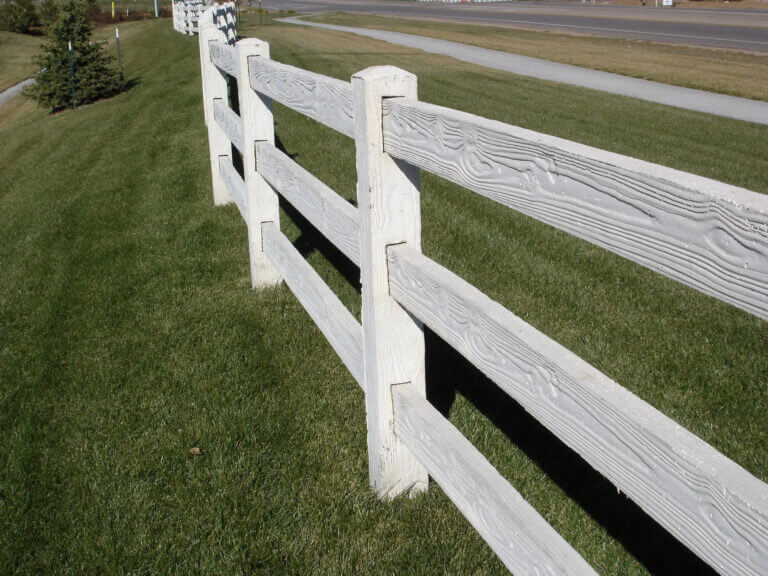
[
  {"x": 95, "y": 71},
  {"x": 18, "y": 16}
]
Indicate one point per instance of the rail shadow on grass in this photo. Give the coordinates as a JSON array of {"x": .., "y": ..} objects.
[
  {"x": 311, "y": 239},
  {"x": 449, "y": 373}
]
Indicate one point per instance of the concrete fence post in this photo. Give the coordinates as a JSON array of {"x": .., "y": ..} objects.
[
  {"x": 214, "y": 88},
  {"x": 262, "y": 202},
  {"x": 393, "y": 342}
]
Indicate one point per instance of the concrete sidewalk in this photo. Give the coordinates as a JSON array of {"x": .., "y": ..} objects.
[
  {"x": 14, "y": 90},
  {"x": 688, "y": 98}
]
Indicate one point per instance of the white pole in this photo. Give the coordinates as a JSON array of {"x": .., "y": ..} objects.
[
  {"x": 262, "y": 203},
  {"x": 393, "y": 342},
  {"x": 214, "y": 88}
]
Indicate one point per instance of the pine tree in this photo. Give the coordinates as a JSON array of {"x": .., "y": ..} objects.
[
  {"x": 49, "y": 11},
  {"x": 95, "y": 71}
]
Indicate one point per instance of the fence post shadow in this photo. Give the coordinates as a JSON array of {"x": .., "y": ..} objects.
[
  {"x": 131, "y": 83},
  {"x": 449, "y": 373},
  {"x": 280, "y": 146}
]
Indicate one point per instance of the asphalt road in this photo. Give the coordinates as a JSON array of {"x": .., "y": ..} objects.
[{"x": 721, "y": 28}]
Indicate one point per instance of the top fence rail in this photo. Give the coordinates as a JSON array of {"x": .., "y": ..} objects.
[
  {"x": 705, "y": 234},
  {"x": 708, "y": 235}
]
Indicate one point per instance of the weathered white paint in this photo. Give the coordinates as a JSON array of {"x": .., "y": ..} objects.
[
  {"x": 224, "y": 57},
  {"x": 258, "y": 126},
  {"x": 707, "y": 501},
  {"x": 234, "y": 184},
  {"x": 229, "y": 122},
  {"x": 333, "y": 216},
  {"x": 705, "y": 234},
  {"x": 393, "y": 343},
  {"x": 336, "y": 323},
  {"x": 188, "y": 13},
  {"x": 214, "y": 88},
  {"x": 327, "y": 100},
  {"x": 205, "y": 58},
  {"x": 512, "y": 528}
]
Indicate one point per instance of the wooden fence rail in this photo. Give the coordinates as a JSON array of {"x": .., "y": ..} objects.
[
  {"x": 187, "y": 14},
  {"x": 708, "y": 235}
]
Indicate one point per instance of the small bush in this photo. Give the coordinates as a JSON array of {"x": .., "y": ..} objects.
[
  {"x": 95, "y": 71},
  {"x": 18, "y": 16}
]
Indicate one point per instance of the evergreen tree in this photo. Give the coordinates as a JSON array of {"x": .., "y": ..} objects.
[
  {"x": 95, "y": 71},
  {"x": 17, "y": 16},
  {"x": 49, "y": 11}
]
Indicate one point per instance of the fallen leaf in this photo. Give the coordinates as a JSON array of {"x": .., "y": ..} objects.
[{"x": 195, "y": 451}]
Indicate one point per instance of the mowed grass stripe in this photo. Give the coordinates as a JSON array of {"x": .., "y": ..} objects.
[
  {"x": 129, "y": 333},
  {"x": 16, "y": 53}
]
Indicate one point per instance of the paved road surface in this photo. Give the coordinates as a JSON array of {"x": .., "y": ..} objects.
[
  {"x": 722, "y": 28},
  {"x": 699, "y": 100}
]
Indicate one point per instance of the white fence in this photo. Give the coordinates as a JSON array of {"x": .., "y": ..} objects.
[
  {"x": 187, "y": 13},
  {"x": 705, "y": 234}
]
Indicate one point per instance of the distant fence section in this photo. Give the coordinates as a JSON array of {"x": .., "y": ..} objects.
[
  {"x": 705, "y": 234},
  {"x": 187, "y": 14}
]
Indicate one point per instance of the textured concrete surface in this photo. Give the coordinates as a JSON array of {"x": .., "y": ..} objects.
[
  {"x": 14, "y": 90},
  {"x": 688, "y": 98}
]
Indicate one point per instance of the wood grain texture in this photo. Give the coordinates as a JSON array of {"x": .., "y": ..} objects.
[
  {"x": 214, "y": 87},
  {"x": 708, "y": 235},
  {"x": 513, "y": 529},
  {"x": 234, "y": 184},
  {"x": 393, "y": 342},
  {"x": 224, "y": 57},
  {"x": 229, "y": 122},
  {"x": 261, "y": 199},
  {"x": 205, "y": 63},
  {"x": 336, "y": 323},
  {"x": 333, "y": 216},
  {"x": 325, "y": 99},
  {"x": 707, "y": 501}
]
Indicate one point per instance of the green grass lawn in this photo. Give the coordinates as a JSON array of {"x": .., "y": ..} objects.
[
  {"x": 16, "y": 52},
  {"x": 726, "y": 71},
  {"x": 129, "y": 334}
]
